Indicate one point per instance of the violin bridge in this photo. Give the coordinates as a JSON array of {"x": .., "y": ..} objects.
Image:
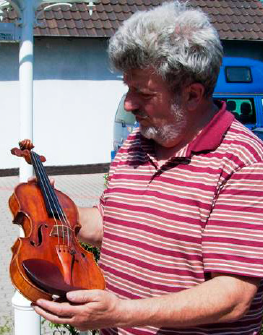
[{"x": 61, "y": 231}]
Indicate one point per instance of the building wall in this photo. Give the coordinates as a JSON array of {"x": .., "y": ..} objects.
[{"x": 75, "y": 99}]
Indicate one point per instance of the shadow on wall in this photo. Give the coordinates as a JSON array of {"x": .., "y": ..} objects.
[{"x": 60, "y": 59}]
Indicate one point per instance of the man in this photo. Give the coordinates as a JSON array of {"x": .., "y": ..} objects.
[{"x": 181, "y": 220}]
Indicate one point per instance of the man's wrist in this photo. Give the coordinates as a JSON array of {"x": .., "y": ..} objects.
[{"x": 134, "y": 313}]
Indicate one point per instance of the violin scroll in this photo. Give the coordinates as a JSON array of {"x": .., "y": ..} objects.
[
  {"x": 26, "y": 144},
  {"x": 25, "y": 147}
]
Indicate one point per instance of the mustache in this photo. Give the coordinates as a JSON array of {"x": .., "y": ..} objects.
[{"x": 139, "y": 113}]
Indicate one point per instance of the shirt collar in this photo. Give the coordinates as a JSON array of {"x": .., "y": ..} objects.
[{"x": 212, "y": 135}]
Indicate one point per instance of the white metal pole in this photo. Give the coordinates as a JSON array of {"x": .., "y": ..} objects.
[
  {"x": 27, "y": 322},
  {"x": 26, "y": 82}
]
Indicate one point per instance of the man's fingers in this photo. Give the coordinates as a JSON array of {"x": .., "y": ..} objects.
[
  {"x": 61, "y": 309},
  {"x": 34, "y": 180},
  {"x": 52, "y": 181},
  {"x": 52, "y": 317},
  {"x": 84, "y": 296}
]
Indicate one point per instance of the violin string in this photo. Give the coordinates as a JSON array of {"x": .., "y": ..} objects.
[
  {"x": 52, "y": 199},
  {"x": 34, "y": 159},
  {"x": 48, "y": 190},
  {"x": 57, "y": 206},
  {"x": 64, "y": 220},
  {"x": 38, "y": 172}
]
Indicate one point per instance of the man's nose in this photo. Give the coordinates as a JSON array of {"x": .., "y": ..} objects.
[{"x": 130, "y": 103}]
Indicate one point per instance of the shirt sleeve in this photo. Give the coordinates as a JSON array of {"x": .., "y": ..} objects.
[
  {"x": 101, "y": 204},
  {"x": 232, "y": 239}
]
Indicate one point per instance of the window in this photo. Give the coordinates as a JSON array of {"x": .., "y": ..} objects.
[
  {"x": 238, "y": 74},
  {"x": 242, "y": 108}
]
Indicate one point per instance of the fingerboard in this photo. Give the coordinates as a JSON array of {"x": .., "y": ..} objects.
[{"x": 50, "y": 198}]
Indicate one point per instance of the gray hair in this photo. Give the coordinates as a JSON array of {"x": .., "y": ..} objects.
[{"x": 178, "y": 42}]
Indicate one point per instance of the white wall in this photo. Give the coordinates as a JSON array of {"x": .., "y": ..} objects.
[{"x": 75, "y": 99}]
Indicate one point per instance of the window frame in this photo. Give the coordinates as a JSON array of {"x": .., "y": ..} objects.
[{"x": 228, "y": 79}]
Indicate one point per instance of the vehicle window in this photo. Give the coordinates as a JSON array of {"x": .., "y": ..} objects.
[
  {"x": 122, "y": 116},
  {"x": 242, "y": 108},
  {"x": 238, "y": 74}
]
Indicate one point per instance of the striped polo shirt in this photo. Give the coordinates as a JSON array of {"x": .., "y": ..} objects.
[{"x": 166, "y": 228}]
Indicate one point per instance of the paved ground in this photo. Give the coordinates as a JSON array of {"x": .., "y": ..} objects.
[{"x": 83, "y": 189}]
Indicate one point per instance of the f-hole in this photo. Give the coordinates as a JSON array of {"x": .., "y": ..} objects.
[{"x": 40, "y": 239}]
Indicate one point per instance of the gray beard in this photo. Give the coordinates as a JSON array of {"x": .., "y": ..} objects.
[{"x": 169, "y": 132}]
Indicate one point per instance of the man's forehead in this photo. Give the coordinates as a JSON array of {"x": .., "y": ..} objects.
[{"x": 139, "y": 75}]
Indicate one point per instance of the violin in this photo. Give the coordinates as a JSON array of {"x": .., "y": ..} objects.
[{"x": 48, "y": 260}]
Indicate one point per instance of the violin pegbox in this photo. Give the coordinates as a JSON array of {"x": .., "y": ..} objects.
[{"x": 25, "y": 151}]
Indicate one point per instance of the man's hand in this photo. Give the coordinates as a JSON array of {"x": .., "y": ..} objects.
[
  {"x": 89, "y": 309},
  {"x": 34, "y": 180},
  {"x": 224, "y": 298}
]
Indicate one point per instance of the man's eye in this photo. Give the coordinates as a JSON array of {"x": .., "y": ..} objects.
[{"x": 146, "y": 96}]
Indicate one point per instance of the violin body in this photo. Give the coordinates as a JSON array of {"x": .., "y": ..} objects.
[{"x": 49, "y": 260}]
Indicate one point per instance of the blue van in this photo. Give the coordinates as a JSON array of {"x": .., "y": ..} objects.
[
  {"x": 240, "y": 84},
  {"x": 124, "y": 123}
]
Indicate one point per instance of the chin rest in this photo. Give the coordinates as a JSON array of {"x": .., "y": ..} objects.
[{"x": 47, "y": 277}]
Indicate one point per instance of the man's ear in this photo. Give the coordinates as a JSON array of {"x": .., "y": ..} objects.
[{"x": 193, "y": 95}]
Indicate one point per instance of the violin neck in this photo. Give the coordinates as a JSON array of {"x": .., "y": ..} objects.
[{"x": 51, "y": 201}]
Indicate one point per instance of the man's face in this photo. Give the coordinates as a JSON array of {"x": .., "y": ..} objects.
[{"x": 149, "y": 98}]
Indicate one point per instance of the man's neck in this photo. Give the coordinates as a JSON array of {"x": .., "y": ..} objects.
[{"x": 195, "y": 125}]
